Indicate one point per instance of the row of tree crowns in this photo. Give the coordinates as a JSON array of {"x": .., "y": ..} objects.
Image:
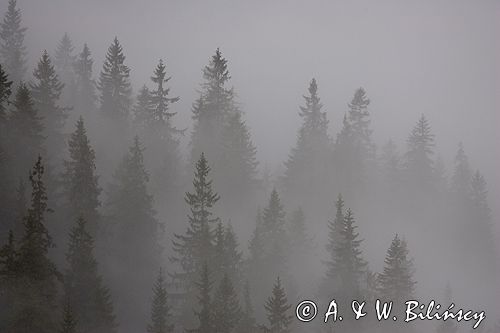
[{"x": 87, "y": 302}]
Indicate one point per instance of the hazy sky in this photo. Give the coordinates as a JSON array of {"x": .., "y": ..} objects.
[{"x": 435, "y": 57}]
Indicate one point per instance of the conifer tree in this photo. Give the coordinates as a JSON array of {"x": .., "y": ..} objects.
[
  {"x": 160, "y": 310},
  {"x": 36, "y": 290},
  {"x": 68, "y": 323},
  {"x": 114, "y": 85},
  {"x": 359, "y": 118},
  {"x": 5, "y": 92},
  {"x": 247, "y": 323},
  {"x": 46, "y": 91},
  {"x": 462, "y": 175},
  {"x": 83, "y": 286},
  {"x": 396, "y": 281},
  {"x": 205, "y": 313},
  {"x": 256, "y": 247},
  {"x": 277, "y": 309},
  {"x": 26, "y": 132},
  {"x": 130, "y": 208},
  {"x": 85, "y": 94},
  {"x": 12, "y": 49},
  {"x": 8, "y": 279},
  {"x": 334, "y": 238},
  {"x": 228, "y": 259},
  {"x": 391, "y": 166},
  {"x": 196, "y": 246},
  {"x": 349, "y": 264},
  {"x": 211, "y": 109},
  {"x": 143, "y": 107},
  {"x": 308, "y": 161},
  {"x": 64, "y": 61},
  {"x": 227, "y": 311},
  {"x": 21, "y": 207},
  {"x": 299, "y": 240},
  {"x": 160, "y": 102},
  {"x": 80, "y": 181},
  {"x": 419, "y": 154}
]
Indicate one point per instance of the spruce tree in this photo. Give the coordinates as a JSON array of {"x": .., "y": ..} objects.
[
  {"x": 142, "y": 108},
  {"x": 419, "y": 154},
  {"x": 247, "y": 323},
  {"x": 114, "y": 84},
  {"x": 160, "y": 118},
  {"x": 205, "y": 311},
  {"x": 5, "y": 92},
  {"x": 462, "y": 175},
  {"x": 299, "y": 240},
  {"x": 64, "y": 61},
  {"x": 130, "y": 209},
  {"x": 228, "y": 259},
  {"x": 334, "y": 239},
  {"x": 68, "y": 323},
  {"x": 349, "y": 264},
  {"x": 83, "y": 286},
  {"x": 8, "y": 279},
  {"x": 12, "y": 49},
  {"x": 277, "y": 308},
  {"x": 211, "y": 109},
  {"x": 396, "y": 281},
  {"x": 359, "y": 118},
  {"x": 226, "y": 307},
  {"x": 85, "y": 94},
  {"x": 36, "y": 290},
  {"x": 80, "y": 182},
  {"x": 26, "y": 132},
  {"x": 160, "y": 310},
  {"x": 308, "y": 163},
  {"x": 46, "y": 91},
  {"x": 196, "y": 246}
]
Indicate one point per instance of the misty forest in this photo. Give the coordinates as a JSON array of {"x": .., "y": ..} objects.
[{"x": 211, "y": 181}]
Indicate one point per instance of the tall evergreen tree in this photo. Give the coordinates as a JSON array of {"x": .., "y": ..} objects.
[
  {"x": 46, "y": 91},
  {"x": 68, "y": 323},
  {"x": 308, "y": 162},
  {"x": 205, "y": 313},
  {"x": 85, "y": 94},
  {"x": 195, "y": 248},
  {"x": 64, "y": 61},
  {"x": 114, "y": 84},
  {"x": 359, "y": 118},
  {"x": 247, "y": 323},
  {"x": 12, "y": 48},
  {"x": 36, "y": 286},
  {"x": 26, "y": 132},
  {"x": 83, "y": 286},
  {"x": 419, "y": 154},
  {"x": 396, "y": 281},
  {"x": 160, "y": 310},
  {"x": 334, "y": 238},
  {"x": 227, "y": 311},
  {"x": 277, "y": 309},
  {"x": 462, "y": 175},
  {"x": 228, "y": 258},
  {"x": 349, "y": 264},
  {"x": 80, "y": 181},
  {"x": 5, "y": 92},
  {"x": 143, "y": 106},
  {"x": 134, "y": 234}
]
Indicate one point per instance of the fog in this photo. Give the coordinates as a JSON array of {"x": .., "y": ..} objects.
[{"x": 434, "y": 58}]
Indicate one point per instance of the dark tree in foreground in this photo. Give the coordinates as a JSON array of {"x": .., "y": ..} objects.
[
  {"x": 5, "y": 92},
  {"x": 12, "y": 49},
  {"x": 114, "y": 85},
  {"x": 396, "y": 281},
  {"x": 5, "y": 177},
  {"x": 196, "y": 247},
  {"x": 35, "y": 306},
  {"x": 277, "y": 309},
  {"x": 83, "y": 286},
  {"x": 160, "y": 310},
  {"x": 46, "y": 91},
  {"x": 80, "y": 181}
]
